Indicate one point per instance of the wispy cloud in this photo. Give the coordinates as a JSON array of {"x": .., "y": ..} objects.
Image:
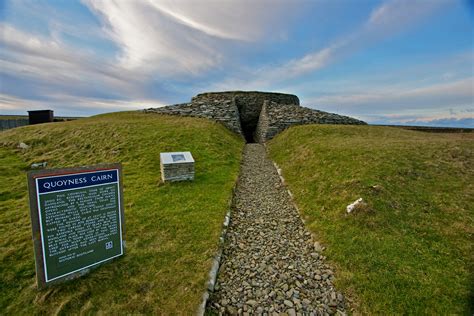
[
  {"x": 458, "y": 93},
  {"x": 442, "y": 120},
  {"x": 47, "y": 67},
  {"x": 36, "y": 56},
  {"x": 404, "y": 105},
  {"x": 185, "y": 37},
  {"x": 396, "y": 15},
  {"x": 126, "y": 54},
  {"x": 15, "y": 105},
  {"x": 386, "y": 20},
  {"x": 414, "y": 98},
  {"x": 73, "y": 105},
  {"x": 160, "y": 44}
]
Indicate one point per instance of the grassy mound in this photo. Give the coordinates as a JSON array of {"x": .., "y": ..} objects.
[
  {"x": 409, "y": 249},
  {"x": 172, "y": 231}
]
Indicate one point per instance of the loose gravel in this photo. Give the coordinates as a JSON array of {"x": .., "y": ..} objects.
[{"x": 270, "y": 263}]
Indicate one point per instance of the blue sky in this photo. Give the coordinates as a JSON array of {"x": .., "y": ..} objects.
[{"x": 386, "y": 62}]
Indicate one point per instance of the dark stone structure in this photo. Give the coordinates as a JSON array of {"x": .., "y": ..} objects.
[
  {"x": 249, "y": 105},
  {"x": 274, "y": 118},
  {"x": 257, "y": 116},
  {"x": 40, "y": 116}
]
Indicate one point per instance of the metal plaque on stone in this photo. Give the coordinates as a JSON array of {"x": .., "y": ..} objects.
[{"x": 176, "y": 166}]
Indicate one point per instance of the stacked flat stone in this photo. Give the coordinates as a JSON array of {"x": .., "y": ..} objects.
[
  {"x": 218, "y": 109},
  {"x": 275, "y": 117},
  {"x": 176, "y": 166},
  {"x": 257, "y": 115}
]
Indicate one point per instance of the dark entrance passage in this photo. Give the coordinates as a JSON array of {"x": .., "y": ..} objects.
[
  {"x": 249, "y": 115},
  {"x": 248, "y": 129}
]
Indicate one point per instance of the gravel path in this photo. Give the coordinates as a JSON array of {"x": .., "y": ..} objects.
[{"x": 270, "y": 263}]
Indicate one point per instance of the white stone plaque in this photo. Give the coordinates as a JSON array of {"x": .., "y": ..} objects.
[{"x": 176, "y": 166}]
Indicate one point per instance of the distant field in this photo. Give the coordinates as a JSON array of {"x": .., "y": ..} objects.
[
  {"x": 172, "y": 231},
  {"x": 410, "y": 249},
  {"x": 14, "y": 117},
  {"x": 433, "y": 129},
  {"x": 13, "y": 121}
]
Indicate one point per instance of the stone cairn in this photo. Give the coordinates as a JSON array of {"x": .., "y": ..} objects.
[{"x": 257, "y": 116}]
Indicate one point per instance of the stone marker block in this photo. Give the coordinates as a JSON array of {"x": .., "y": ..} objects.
[{"x": 176, "y": 166}]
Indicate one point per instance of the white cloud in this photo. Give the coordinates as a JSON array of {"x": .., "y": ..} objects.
[
  {"x": 386, "y": 20},
  {"x": 12, "y": 104},
  {"x": 225, "y": 19},
  {"x": 440, "y": 118},
  {"x": 404, "y": 104},
  {"x": 53, "y": 66},
  {"x": 458, "y": 92},
  {"x": 398, "y": 14},
  {"x": 31, "y": 52},
  {"x": 68, "y": 80},
  {"x": 61, "y": 21},
  {"x": 185, "y": 37},
  {"x": 300, "y": 66},
  {"x": 175, "y": 40},
  {"x": 66, "y": 105}
]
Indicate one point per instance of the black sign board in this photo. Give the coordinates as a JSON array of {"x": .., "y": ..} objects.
[{"x": 77, "y": 220}]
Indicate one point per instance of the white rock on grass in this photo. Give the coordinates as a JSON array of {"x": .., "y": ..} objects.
[
  {"x": 353, "y": 205},
  {"x": 39, "y": 165}
]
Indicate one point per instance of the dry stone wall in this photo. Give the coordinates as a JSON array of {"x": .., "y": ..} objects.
[
  {"x": 249, "y": 104},
  {"x": 252, "y": 98},
  {"x": 275, "y": 118},
  {"x": 218, "y": 109},
  {"x": 257, "y": 116}
]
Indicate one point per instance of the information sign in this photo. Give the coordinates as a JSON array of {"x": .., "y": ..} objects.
[{"x": 77, "y": 220}]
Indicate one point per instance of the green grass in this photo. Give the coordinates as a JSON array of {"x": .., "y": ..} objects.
[
  {"x": 172, "y": 230},
  {"x": 410, "y": 249}
]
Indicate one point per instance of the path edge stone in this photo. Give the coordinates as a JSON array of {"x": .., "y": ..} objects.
[
  {"x": 283, "y": 182},
  {"x": 292, "y": 198}
]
